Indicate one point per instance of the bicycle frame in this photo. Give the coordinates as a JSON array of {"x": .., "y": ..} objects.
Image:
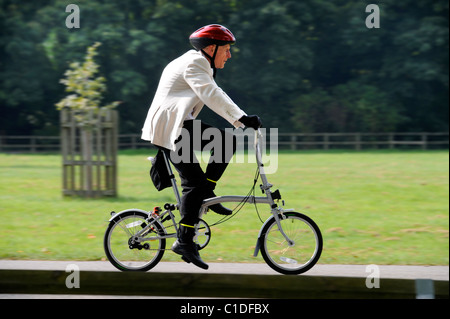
[{"x": 269, "y": 198}]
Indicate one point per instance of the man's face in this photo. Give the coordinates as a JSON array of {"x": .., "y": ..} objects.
[{"x": 223, "y": 54}]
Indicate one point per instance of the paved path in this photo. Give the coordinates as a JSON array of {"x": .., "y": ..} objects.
[{"x": 358, "y": 271}]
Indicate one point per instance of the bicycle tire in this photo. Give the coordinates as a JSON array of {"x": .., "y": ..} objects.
[
  {"x": 298, "y": 257},
  {"x": 128, "y": 256}
]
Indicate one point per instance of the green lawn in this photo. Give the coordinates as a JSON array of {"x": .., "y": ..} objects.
[{"x": 376, "y": 207}]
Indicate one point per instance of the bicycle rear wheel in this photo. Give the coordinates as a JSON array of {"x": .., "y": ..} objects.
[
  {"x": 128, "y": 251},
  {"x": 298, "y": 256}
]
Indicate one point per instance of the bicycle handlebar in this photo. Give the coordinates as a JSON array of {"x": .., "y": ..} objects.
[{"x": 258, "y": 136}]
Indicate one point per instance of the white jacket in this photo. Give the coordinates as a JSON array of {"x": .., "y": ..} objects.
[{"x": 186, "y": 85}]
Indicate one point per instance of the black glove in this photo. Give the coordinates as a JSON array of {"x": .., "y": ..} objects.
[{"x": 252, "y": 121}]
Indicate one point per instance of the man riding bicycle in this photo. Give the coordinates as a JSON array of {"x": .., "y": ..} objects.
[{"x": 186, "y": 85}]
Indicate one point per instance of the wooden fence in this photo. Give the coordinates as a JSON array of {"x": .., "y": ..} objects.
[
  {"x": 360, "y": 141},
  {"x": 89, "y": 155},
  {"x": 292, "y": 141}
]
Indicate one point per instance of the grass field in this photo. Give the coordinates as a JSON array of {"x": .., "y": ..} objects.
[{"x": 374, "y": 207}]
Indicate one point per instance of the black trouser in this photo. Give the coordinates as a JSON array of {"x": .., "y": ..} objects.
[{"x": 199, "y": 136}]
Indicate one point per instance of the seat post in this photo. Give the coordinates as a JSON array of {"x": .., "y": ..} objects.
[{"x": 173, "y": 180}]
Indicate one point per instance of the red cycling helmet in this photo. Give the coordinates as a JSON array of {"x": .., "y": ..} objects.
[{"x": 211, "y": 34}]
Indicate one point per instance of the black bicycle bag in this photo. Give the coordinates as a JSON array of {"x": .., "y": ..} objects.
[{"x": 159, "y": 173}]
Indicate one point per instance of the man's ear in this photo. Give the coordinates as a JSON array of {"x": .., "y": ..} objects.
[{"x": 210, "y": 49}]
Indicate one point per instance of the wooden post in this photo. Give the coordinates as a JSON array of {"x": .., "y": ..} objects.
[
  {"x": 424, "y": 141},
  {"x": 293, "y": 142},
  {"x": 391, "y": 141},
  {"x": 358, "y": 141},
  {"x": 326, "y": 141}
]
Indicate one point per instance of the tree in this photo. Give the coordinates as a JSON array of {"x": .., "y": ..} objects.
[
  {"x": 285, "y": 51},
  {"x": 84, "y": 104},
  {"x": 350, "y": 107},
  {"x": 88, "y": 90}
]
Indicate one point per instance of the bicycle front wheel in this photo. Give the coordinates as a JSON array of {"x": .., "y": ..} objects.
[
  {"x": 132, "y": 242},
  {"x": 301, "y": 253}
]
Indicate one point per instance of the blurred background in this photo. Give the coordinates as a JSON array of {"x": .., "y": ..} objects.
[{"x": 303, "y": 66}]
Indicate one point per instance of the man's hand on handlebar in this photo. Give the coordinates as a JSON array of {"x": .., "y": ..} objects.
[{"x": 252, "y": 121}]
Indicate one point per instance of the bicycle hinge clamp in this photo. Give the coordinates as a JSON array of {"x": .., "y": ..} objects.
[{"x": 265, "y": 187}]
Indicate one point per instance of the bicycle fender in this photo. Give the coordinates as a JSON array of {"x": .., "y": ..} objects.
[
  {"x": 258, "y": 241},
  {"x": 257, "y": 247},
  {"x": 126, "y": 211}
]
